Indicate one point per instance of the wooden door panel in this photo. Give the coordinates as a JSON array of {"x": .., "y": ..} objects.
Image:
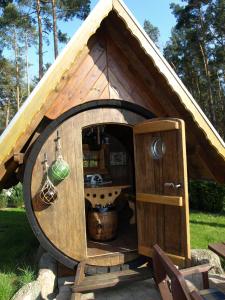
[
  {"x": 150, "y": 226},
  {"x": 162, "y": 206}
]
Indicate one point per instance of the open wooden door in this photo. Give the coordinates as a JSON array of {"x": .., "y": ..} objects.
[{"x": 161, "y": 188}]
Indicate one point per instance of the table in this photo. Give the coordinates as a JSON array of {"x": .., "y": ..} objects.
[
  {"x": 103, "y": 194},
  {"x": 218, "y": 248}
]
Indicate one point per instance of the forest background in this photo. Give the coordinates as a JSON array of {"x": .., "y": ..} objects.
[{"x": 195, "y": 50}]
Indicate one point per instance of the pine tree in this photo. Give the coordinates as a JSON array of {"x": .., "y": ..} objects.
[
  {"x": 66, "y": 10},
  {"x": 16, "y": 30},
  {"x": 7, "y": 91},
  {"x": 196, "y": 52},
  {"x": 152, "y": 31}
]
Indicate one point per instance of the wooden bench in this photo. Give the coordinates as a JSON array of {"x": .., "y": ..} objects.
[{"x": 171, "y": 281}]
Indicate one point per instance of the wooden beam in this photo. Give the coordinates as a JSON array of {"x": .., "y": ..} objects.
[
  {"x": 18, "y": 157},
  {"x": 160, "y": 199},
  {"x": 156, "y": 126},
  {"x": 107, "y": 280}
]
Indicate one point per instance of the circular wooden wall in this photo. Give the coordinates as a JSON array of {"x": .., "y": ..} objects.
[{"x": 61, "y": 227}]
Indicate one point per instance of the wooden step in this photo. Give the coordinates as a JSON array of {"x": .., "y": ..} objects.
[{"x": 102, "y": 281}]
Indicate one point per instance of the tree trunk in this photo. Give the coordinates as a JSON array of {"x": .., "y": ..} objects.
[
  {"x": 202, "y": 46},
  {"x": 209, "y": 86},
  {"x": 7, "y": 113},
  {"x": 219, "y": 86},
  {"x": 55, "y": 33},
  {"x": 221, "y": 97},
  {"x": 27, "y": 65},
  {"x": 223, "y": 120},
  {"x": 199, "y": 91},
  {"x": 15, "y": 46},
  {"x": 40, "y": 38}
]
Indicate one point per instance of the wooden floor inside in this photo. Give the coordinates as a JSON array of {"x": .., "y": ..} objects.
[{"x": 126, "y": 241}]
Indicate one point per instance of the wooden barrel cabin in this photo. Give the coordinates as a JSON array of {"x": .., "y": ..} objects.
[{"x": 105, "y": 145}]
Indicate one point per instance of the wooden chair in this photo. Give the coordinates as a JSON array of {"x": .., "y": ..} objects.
[{"x": 171, "y": 282}]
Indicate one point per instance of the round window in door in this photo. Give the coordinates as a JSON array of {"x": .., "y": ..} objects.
[{"x": 157, "y": 148}]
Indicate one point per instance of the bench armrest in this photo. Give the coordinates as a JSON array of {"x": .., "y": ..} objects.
[
  {"x": 196, "y": 270},
  {"x": 202, "y": 269}
]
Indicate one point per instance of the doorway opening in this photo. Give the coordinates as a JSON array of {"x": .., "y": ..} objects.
[{"x": 109, "y": 188}]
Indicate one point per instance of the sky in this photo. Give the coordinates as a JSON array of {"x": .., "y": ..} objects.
[{"x": 156, "y": 11}]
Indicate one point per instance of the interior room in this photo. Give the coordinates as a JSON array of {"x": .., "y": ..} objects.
[{"x": 109, "y": 187}]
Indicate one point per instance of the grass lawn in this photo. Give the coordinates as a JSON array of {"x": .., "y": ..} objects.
[
  {"x": 18, "y": 245},
  {"x": 206, "y": 228}
]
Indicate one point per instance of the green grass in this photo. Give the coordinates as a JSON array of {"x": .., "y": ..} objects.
[
  {"x": 18, "y": 245},
  {"x": 206, "y": 228},
  {"x": 17, "y": 252},
  {"x": 8, "y": 285}
]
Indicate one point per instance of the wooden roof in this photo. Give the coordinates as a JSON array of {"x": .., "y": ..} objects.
[{"x": 41, "y": 100}]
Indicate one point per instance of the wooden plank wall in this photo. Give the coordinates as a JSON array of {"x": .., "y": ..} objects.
[
  {"x": 102, "y": 72},
  {"x": 112, "y": 66}
]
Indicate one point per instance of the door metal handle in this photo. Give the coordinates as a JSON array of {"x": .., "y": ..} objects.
[{"x": 172, "y": 185}]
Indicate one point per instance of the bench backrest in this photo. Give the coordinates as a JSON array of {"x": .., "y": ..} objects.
[{"x": 170, "y": 281}]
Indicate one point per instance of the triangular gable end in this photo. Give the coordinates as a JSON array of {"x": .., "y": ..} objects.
[{"x": 35, "y": 107}]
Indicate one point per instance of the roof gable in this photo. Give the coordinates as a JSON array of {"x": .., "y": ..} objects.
[{"x": 32, "y": 110}]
